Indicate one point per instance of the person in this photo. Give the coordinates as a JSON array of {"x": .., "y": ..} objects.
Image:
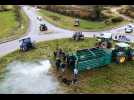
[
  {"x": 63, "y": 56},
  {"x": 58, "y": 62},
  {"x": 57, "y": 53},
  {"x": 75, "y": 75},
  {"x": 63, "y": 65}
]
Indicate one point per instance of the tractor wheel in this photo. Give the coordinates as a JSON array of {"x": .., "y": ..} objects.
[
  {"x": 40, "y": 28},
  {"x": 121, "y": 59},
  {"x": 23, "y": 49},
  {"x": 77, "y": 38},
  {"x": 73, "y": 37},
  {"x": 109, "y": 45}
]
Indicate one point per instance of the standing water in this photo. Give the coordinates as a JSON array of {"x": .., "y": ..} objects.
[{"x": 29, "y": 78}]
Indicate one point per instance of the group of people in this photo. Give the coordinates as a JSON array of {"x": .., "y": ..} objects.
[
  {"x": 61, "y": 65},
  {"x": 121, "y": 37}
]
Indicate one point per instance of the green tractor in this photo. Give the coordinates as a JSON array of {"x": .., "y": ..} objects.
[
  {"x": 122, "y": 53},
  {"x": 104, "y": 41}
]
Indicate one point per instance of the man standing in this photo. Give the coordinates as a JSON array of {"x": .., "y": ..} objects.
[
  {"x": 58, "y": 62},
  {"x": 75, "y": 75},
  {"x": 63, "y": 65}
]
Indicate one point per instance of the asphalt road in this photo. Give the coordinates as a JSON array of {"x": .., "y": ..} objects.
[{"x": 57, "y": 33}]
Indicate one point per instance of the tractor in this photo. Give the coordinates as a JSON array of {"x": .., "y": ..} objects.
[
  {"x": 78, "y": 36},
  {"x": 104, "y": 41},
  {"x": 26, "y": 44},
  {"x": 122, "y": 53},
  {"x": 43, "y": 27},
  {"x": 77, "y": 22}
]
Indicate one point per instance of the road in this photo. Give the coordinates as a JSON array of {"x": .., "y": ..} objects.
[{"x": 37, "y": 36}]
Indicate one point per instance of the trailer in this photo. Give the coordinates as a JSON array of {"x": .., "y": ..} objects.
[{"x": 87, "y": 59}]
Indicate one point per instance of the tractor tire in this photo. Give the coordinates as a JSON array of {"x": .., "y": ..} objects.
[
  {"x": 40, "y": 28},
  {"x": 121, "y": 59},
  {"x": 109, "y": 45},
  {"x": 46, "y": 29},
  {"x": 77, "y": 38},
  {"x": 23, "y": 49}
]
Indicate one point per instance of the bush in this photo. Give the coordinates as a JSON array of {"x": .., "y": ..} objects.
[
  {"x": 131, "y": 14},
  {"x": 3, "y": 8},
  {"x": 55, "y": 18},
  {"x": 116, "y": 19},
  {"x": 108, "y": 21}
]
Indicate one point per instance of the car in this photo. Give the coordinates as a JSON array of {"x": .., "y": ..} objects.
[
  {"x": 39, "y": 18},
  {"x": 129, "y": 29}
]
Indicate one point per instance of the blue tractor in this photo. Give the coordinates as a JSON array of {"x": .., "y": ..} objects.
[{"x": 26, "y": 44}]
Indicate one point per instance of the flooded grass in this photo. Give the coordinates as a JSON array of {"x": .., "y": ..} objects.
[{"x": 29, "y": 77}]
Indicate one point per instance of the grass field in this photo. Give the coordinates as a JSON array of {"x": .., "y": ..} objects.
[
  {"x": 68, "y": 22},
  {"x": 9, "y": 26},
  {"x": 7, "y": 23},
  {"x": 113, "y": 78}
]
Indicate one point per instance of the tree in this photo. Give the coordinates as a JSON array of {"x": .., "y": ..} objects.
[
  {"x": 2, "y": 7},
  {"x": 17, "y": 11},
  {"x": 96, "y": 11}
]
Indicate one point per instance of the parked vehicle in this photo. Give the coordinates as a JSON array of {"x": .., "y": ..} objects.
[
  {"x": 26, "y": 44},
  {"x": 78, "y": 36},
  {"x": 39, "y": 18},
  {"x": 77, "y": 22},
  {"x": 104, "y": 40},
  {"x": 87, "y": 59},
  {"x": 129, "y": 29},
  {"x": 122, "y": 53}
]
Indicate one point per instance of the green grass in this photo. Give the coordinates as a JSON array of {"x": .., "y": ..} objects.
[
  {"x": 113, "y": 78},
  {"x": 68, "y": 22},
  {"x": 7, "y": 23},
  {"x": 9, "y": 26}
]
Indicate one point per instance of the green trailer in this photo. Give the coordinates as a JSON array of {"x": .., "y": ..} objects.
[{"x": 87, "y": 59}]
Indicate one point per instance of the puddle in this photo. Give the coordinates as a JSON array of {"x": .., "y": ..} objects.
[{"x": 29, "y": 78}]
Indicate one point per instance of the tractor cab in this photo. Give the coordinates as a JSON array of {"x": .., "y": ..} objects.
[
  {"x": 78, "y": 36},
  {"x": 26, "y": 44},
  {"x": 43, "y": 27},
  {"x": 122, "y": 53},
  {"x": 104, "y": 40},
  {"x": 121, "y": 46}
]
